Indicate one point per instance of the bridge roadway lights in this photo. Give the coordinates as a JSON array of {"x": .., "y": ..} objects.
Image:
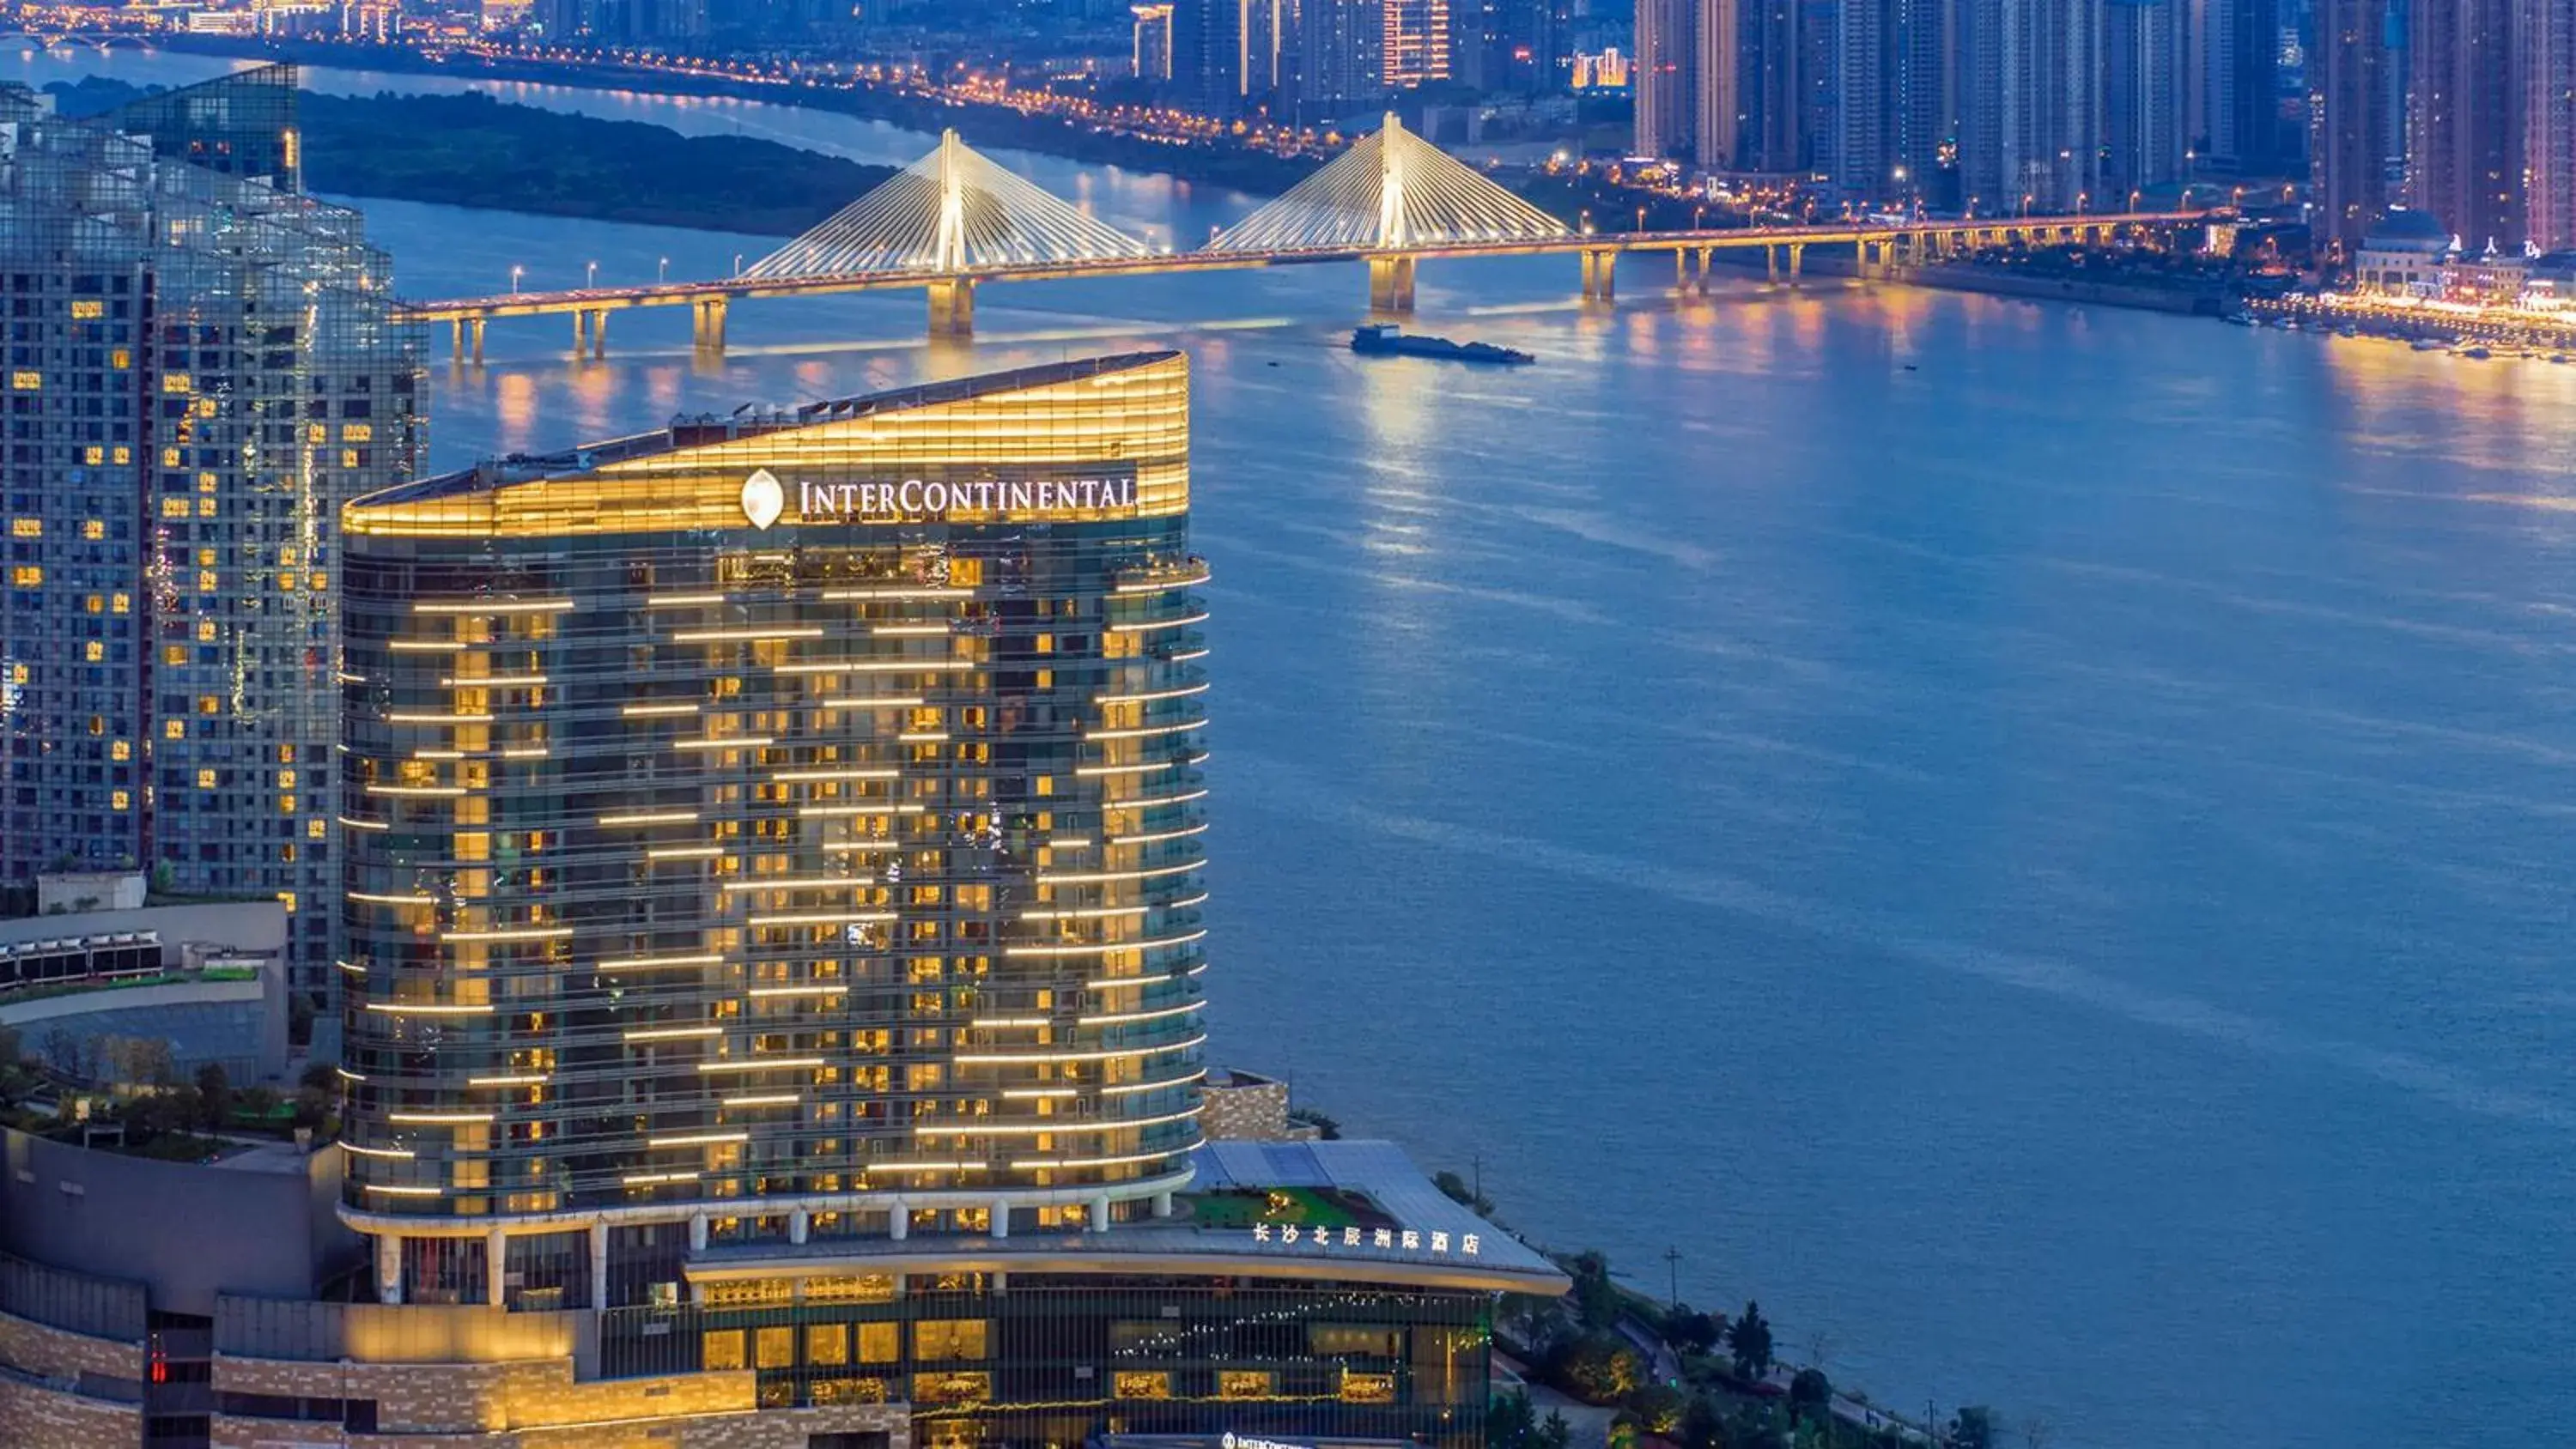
[
  {"x": 1391, "y": 284},
  {"x": 707, "y": 325},
  {"x": 952, "y": 307}
]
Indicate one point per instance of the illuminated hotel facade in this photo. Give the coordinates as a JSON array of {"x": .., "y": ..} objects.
[{"x": 773, "y": 994}]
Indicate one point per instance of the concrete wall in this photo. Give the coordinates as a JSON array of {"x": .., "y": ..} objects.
[
  {"x": 185, "y": 1231},
  {"x": 96, "y": 890},
  {"x": 1245, "y": 1107},
  {"x": 254, "y": 926}
]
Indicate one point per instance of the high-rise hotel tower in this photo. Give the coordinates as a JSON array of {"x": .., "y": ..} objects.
[{"x": 786, "y": 821}]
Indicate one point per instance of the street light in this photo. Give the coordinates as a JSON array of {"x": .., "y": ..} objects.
[
  {"x": 592, "y": 279},
  {"x": 737, "y": 264},
  {"x": 664, "y": 274},
  {"x": 1641, "y": 221},
  {"x": 514, "y": 279}
]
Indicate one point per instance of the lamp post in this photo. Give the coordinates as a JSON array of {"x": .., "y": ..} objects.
[
  {"x": 591, "y": 277},
  {"x": 664, "y": 274},
  {"x": 737, "y": 264},
  {"x": 514, "y": 279}
]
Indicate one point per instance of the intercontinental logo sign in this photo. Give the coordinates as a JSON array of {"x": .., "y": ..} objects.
[{"x": 765, "y": 499}]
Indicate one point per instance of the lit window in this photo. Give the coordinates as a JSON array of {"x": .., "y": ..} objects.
[
  {"x": 721, "y": 1350},
  {"x": 121, "y": 800},
  {"x": 93, "y": 530},
  {"x": 1139, "y": 1385},
  {"x": 948, "y": 1338},
  {"x": 120, "y": 359},
  {"x": 86, "y": 309},
  {"x": 205, "y": 778},
  {"x": 174, "y": 508},
  {"x": 206, "y": 631},
  {"x": 206, "y": 581},
  {"x": 121, "y": 454},
  {"x": 26, "y": 528},
  {"x": 313, "y": 828},
  {"x": 175, "y": 382},
  {"x": 174, "y": 654},
  {"x": 1245, "y": 1384},
  {"x": 174, "y": 729},
  {"x": 27, "y": 381},
  {"x": 93, "y": 651},
  {"x": 357, "y": 432},
  {"x": 285, "y": 804},
  {"x": 879, "y": 1343},
  {"x": 209, "y": 703},
  {"x": 827, "y": 1345},
  {"x": 286, "y": 779},
  {"x": 205, "y": 508},
  {"x": 288, "y": 897},
  {"x": 94, "y": 454},
  {"x": 774, "y": 1348},
  {"x": 121, "y": 750},
  {"x": 122, "y": 604},
  {"x": 27, "y": 576}
]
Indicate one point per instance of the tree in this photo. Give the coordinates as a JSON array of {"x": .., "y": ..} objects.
[
  {"x": 1811, "y": 1394},
  {"x": 1692, "y": 1331},
  {"x": 1973, "y": 1427},
  {"x": 1658, "y": 1408},
  {"x": 1554, "y": 1432},
  {"x": 1751, "y": 1340},
  {"x": 1596, "y": 1301},
  {"x": 1458, "y": 1191},
  {"x": 319, "y": 1077},
  {"x": 214, "y": 1096},
  {"x": 1601, "y": 1369},
  {"x": 1511, "y": 1423},
  {"x": 259, "y": 1103}
]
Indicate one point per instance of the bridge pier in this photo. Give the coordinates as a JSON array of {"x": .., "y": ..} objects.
[
  {"x": 707, "y": 324},
  {"x": 1600, "y": 274},
  {"x": 1706, "y": 256},
  {"x": 1391, "y": 283},
  {"x": 952, "y": 307},
  {"x": 475, "y": 326},
  {"x": 1797, "y": 261}
]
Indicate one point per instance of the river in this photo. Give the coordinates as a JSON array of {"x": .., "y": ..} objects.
[{"x": 2035, "y": 839}]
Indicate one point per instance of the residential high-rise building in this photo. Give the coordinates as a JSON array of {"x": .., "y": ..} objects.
[
  {"x": 2545, "y": 46},
  {"x": 2463, "y": 128},
  {"x": 2351, "y": 141},
  {"x": 1665, "y": 78},
  {"x": 1508, "y": 45},
  {"x": 1771, "y": 132},
  {"x": 2032, "y": 136},
  {"x": 1716, "y": 74},
  {"x": 1415, "y": 48},
  {"x": 203, "y": 367},
  {"x": 1153, "y": 41},
  {"x": 1339, "y": 73},
  {"x": 2146, "y": 110},
  {"x": 1896, "y": 97}
]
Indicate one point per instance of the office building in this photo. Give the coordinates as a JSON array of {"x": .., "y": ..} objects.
[
  {"x": 1897, "y": 92},
  {"x": 1770, "y": 128},
  {"x": 1716, "y": 73},
  {"x": 2237, "y": 124},
  {"x": 202, "y": 368},
  {"x": 1153, "y": 41},
  {"x": 1665, "y": 78},
  {"x": 2463, "y": 128},
  {"x": 2545, "y": 52},
  {"x": 2033, "y": 131},
  {"x": 2351, "y": 140},
  {"x": 774, "y": 1004}
]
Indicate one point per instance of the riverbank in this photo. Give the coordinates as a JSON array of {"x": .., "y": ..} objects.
[
  {"x": 982, "y": 124},
  {"x": 473, "y": 150},
  {"x": 2501, "y": 329}
]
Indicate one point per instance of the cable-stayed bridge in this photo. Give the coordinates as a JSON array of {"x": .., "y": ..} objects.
[{"x": 954, "y": 220}]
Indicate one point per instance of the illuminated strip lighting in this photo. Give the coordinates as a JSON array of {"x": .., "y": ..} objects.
[
  {"x": 524, "y": 752},
  {"x": 925, "y": 1167},
  {"x": 1186, "y": 902},
  {"x": 1122, "y": 1018},
  {"x": 1193, "y": 581},
  {"x": 439, "y": 1119},
  {"x": 376, "y": 900},
  {"x": 697, "y": 1139},
  {"x": 870, "y": 701},
  {"x": 494, "y": 681},
  {"x": 762, "y": 1065},
  {"x": 352, "y": 967},
  {"x": 647, "y": 963},
  {"x": 839, "y": 596},
  {"x": 743, "y": 636},
  {"x": 1106, "y": 876},
  {"x": 1025, "y": 1163},
  {"x": 716, "y": 742},
  {"x": 414, "y": 717},
  {"x": 342, "y": 676},
  {"x": 346, "y": 1075},
  {"x": 766, "y": 992},
  {"x": 494, "y": 606},
  {"x": 394, "y": 1154},
  {"x": 685, "y": 852},
  {"x": 1187, "y": 655},
  {"x": 1032, "y": 1129},
  {"x": 798, "y": 777},
  {"x": 1091, "y": 948},
  {"x": 907, "y": 630},
  {"x": 442, "y": 792},
  {"x": 530, "y": 933},
  {"x": 651, "y": 817},
  {"x": 1185, "y": 831},
  {"x": 1086, "y": 913},
  {"x": 671, "y": 1033},
  {"x": 647, "y": 711},
  {"x": 876, "y": 666},
  {"x": 649, "y": 1179},
  {"x": 438, "y": 754},
  {"x": 1002, "y": 1021},
  {"x": 538, "y": 1080},
  {"x": 363, "y": 824},
  {"x": 1041, "y": 1091},
  {"x": 872, "y": 807},
  {"x": 871, "y": 918},
  {"x": 1185, "y": 620},
  {"x": 1124, "y": 1089},
  {"x": 1091, "y": 770},
  {"x": 1146, "y": 803},
  {"x": 782, "y": 1099},
  {"x": 1148, "y": 731},
  {"x": 1070, "y": 842},
  {"x": 680, "y": 601},
  {"x": 395, "y": 1190},
  {"x": 428, "y": 1008},
  {"x": 424, "y": 646},
  {"x": 1181, "y": 693},
  {"x": 922, "y": 737},
  {"x": 1006, "y": 1058}
]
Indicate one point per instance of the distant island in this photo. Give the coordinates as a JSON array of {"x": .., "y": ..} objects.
[{"x": 473, "y": 150}]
